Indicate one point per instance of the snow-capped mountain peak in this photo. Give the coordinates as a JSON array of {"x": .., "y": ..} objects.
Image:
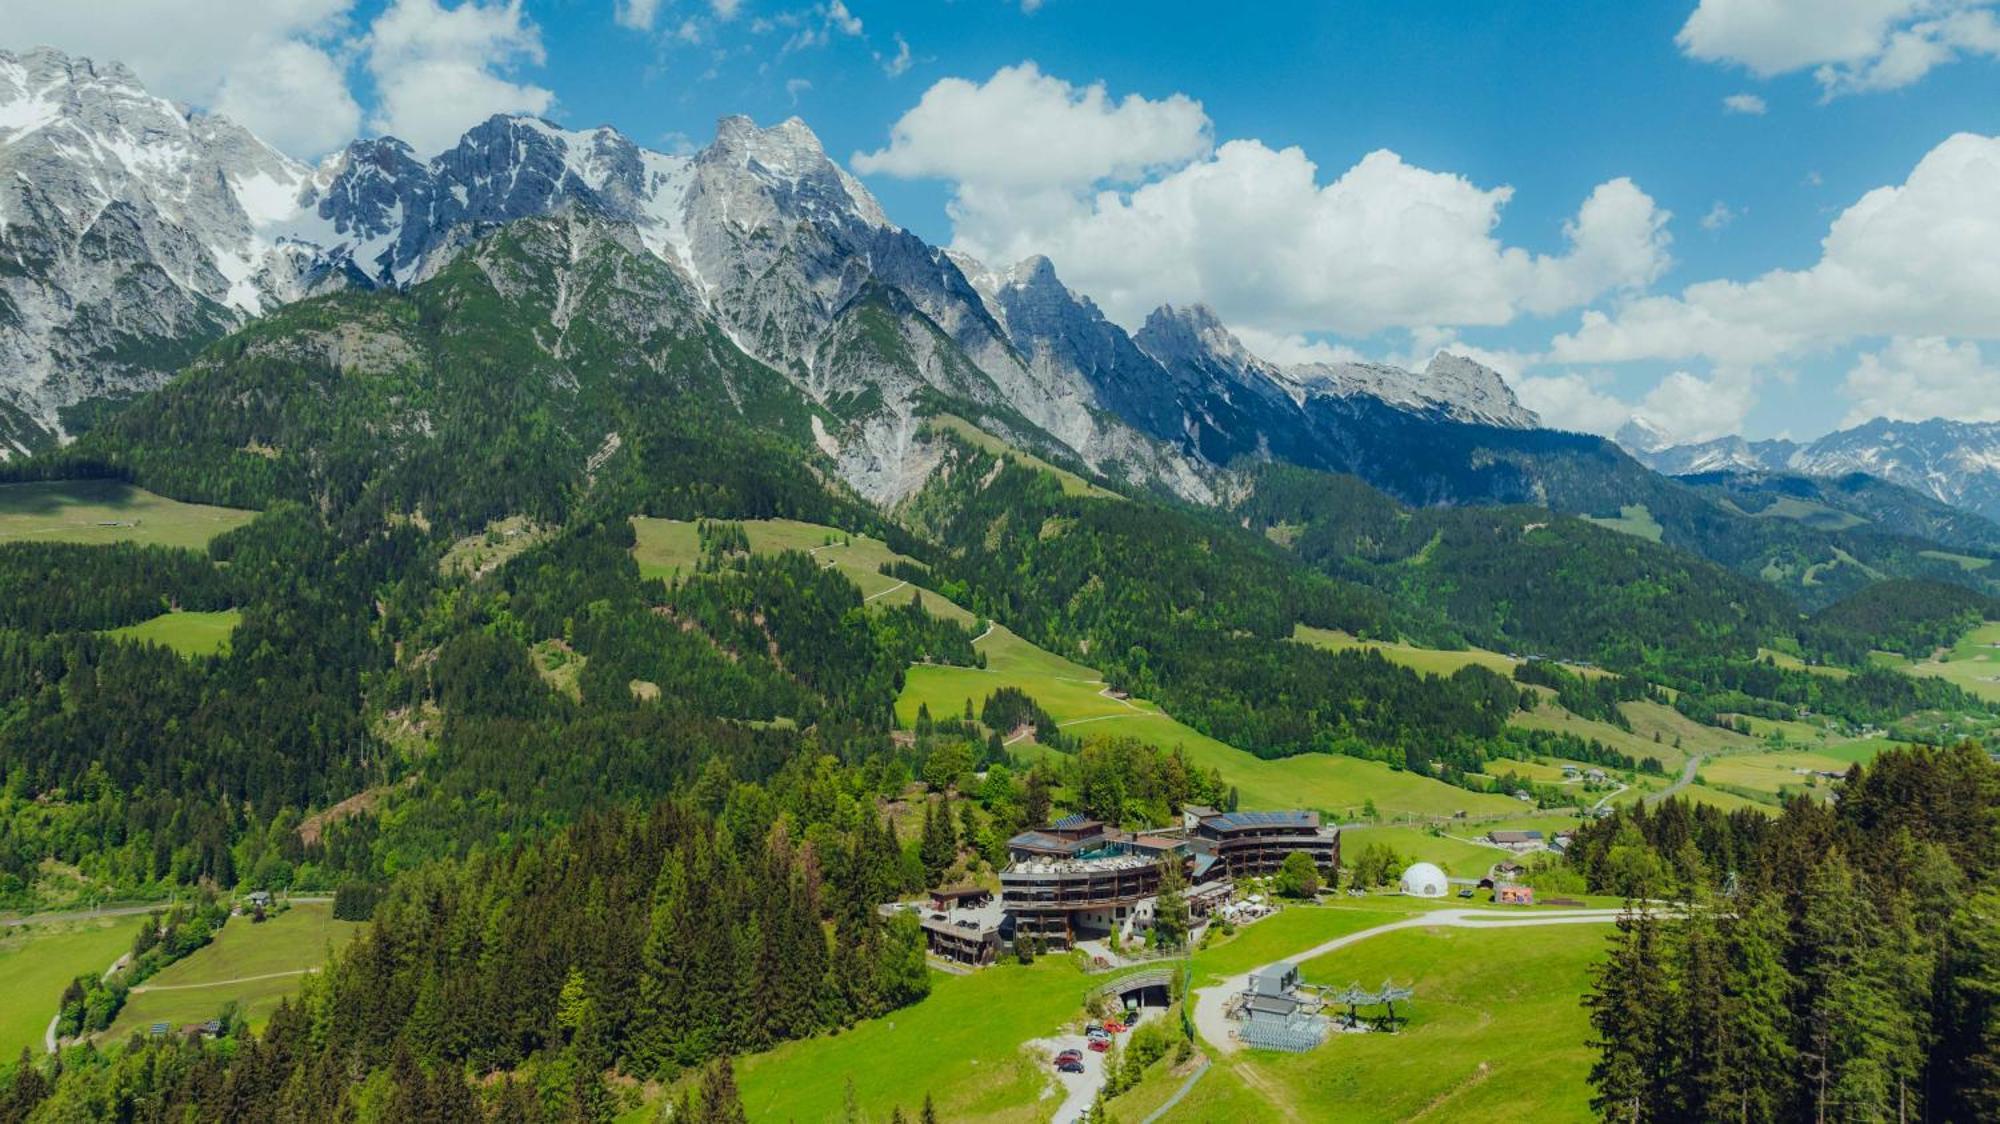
[
  {"x": 1957, "y": 462},
  {"x": 788, "y": 157}
]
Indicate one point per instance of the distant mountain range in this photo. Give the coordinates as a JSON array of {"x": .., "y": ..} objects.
[
  {"x": 1954, "y": 462},
  {"x": 134, "y": 232},
  {"x": 751, "y": 281}
]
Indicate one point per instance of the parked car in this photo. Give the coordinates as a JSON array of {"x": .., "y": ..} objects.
[
  {"x": 1074, "y": 1065},
  {"x": 1115, "y": 1027},
  {"x": 1100, "y": 1045},
  {"x": 1069, "y": 1056},
  {"x": 1465, "y": 893}
]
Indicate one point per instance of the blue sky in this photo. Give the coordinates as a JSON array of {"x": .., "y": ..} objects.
[{"x": 1492, "y": 124}]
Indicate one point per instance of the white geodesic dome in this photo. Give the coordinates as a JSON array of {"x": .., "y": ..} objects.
[{"x": 1425, "y": 880}]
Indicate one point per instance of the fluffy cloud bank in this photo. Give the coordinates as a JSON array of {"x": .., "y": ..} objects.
[
  {"x": 1911, "y": 379},
  {"x": 1921, "y": 258},
  {"x": 439, "y": 70},
  {"x": 1136, "y": 208},
  {"x": 274, "y": 67},
  {"x": 281, "y": 67},
  {"x": 1852, "y": 46}
]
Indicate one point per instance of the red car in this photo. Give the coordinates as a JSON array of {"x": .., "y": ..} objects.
[
  {"x": 1115, "y": 1027},
  {"x": 1069, "y": 1056},
  {"x": 1100, "y": 1044}
]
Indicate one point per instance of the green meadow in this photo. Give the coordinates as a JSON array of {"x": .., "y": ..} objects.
[
  {"x": 190, "y": 634},
  {"x": 1496, "y": 1033},
  {"x": 38, "y": 960},
  {"x": 1776, "y": 774},
  {"x": 669, "y": 547},
  {"x": 1435, "y": 661},
  {"x": 1973, "y": 663},
  {"x": 1074, "y": 695},
  {"x": 251, "y": 965},
  {"x": 963, "y": 1044},
  {"x": 1451, "y": 852},
  {"x": 1633, "y": 519},
  {"x": 106, "y": 511}
]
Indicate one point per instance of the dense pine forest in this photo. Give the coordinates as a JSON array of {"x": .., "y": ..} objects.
[{"x": 1833, "y": 963}]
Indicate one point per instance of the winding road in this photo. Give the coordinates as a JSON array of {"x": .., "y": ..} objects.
[
  {"x": 1686, "y": 779},
  {"x": 1211, "y": 1002}
]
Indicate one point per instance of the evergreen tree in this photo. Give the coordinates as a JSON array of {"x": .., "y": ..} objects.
[
  {"x": 1758, "y": 1061},
  {"x": 939, "y": 843},
  {"x": 1847, "y": 1015},
  {"x": 1170, "y": 907},
  {"x": 720, "y": 1102},
  {"x": 930, "y": 1115},
  {"x": 1968, "y": 1060},
  {"x": 1697, "y": 1029},
  {"x": 1627, "y": 1003},
  {"x": 1036, "y": 803}
]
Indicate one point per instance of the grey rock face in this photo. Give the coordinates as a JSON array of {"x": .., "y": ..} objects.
[
  {"x": 132, "y": 232},
  {"x": 129, "y": 231},
  {"x": 1451, "y": 386}
]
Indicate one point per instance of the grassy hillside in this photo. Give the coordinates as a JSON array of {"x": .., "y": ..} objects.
[
  {"x": 106, "y": 511},
  {"x": 1973, "y": 663},
  {"x": 1776, "y": 774},
  {"x": 248, "y": 964},
  {"x": 1495, "y": 1034},
  {"x": 38, "y": 961},
  {"x": 190, "y": 634},
  {"x": 1453, "y": 854},
  {"x": 1647, "y": 719},
  {"x": 1436, "y": 661},
  {"x": 962, "y": 1044},
  {"x": 1074, "y": 695},
  {"x": 1633, "y": 519},
  {"x": 669, "y": 546}
]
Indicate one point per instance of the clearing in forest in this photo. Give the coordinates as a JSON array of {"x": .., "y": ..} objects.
[
  {"x": 94, "y": 512},
  {"x": 252, "y": 965},
  {"x": 189, "y": 634},
  {"x": 37, "y": 961}
]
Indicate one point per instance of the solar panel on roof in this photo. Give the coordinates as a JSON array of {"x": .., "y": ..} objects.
[{"x": 1262, "y": 819}]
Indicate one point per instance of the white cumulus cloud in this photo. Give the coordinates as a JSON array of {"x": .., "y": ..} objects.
[
  {"x": 1914, "y": 378},
  {"x": 1683, "y": 407},
  {"x": 635, "y": 14},
  {"x": 1921, "y": 258},
  {"x": 1852, "y": 46},
  {"x": 1025, "y": 129},
  {"x": 439, "y": 70},
  {"x": 1125, "y": 196},
  {"x": 276, "y": 67},
  {"x": 1748, "y": 104}
]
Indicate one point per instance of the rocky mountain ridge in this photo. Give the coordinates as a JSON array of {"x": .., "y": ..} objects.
[
  {"x": 137, "y": 231},
  {"x": 1955, "y": 462}
]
